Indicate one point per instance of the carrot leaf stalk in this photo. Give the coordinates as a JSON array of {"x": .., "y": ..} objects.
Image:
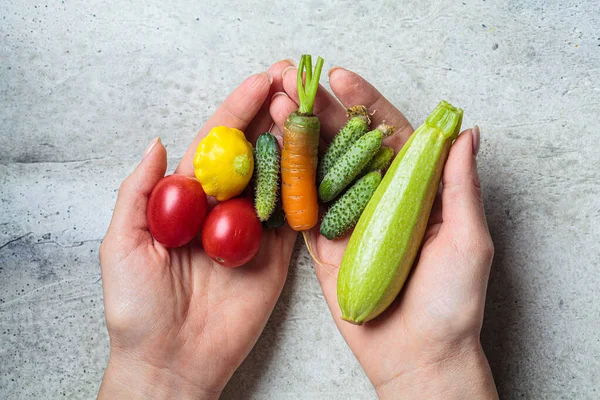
[{"x": 307, "y": 91}]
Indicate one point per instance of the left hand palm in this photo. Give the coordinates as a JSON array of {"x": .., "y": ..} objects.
[{"x": 176, "y": 309}]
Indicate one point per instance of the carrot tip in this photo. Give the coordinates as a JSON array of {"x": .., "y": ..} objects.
[{"x": 316, "y": 259}]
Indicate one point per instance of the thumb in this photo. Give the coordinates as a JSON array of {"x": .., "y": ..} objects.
[
  {"x": 462, "y": 205},
  {"x": 129, "y": 217}
]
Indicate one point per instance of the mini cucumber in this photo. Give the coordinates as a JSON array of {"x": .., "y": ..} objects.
[
  {"x": 345, "y": 212},
  {"x": 277, "y": 217},
  {"x": 266, "y": 175},
  {"x": 357, "y": 125},
  {"x": 380, "y": 161},
  {"x": 348, "y": 166},
  {"x": 388, "y": 235}
]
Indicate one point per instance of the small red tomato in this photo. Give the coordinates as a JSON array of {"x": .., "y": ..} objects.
[
  {"x": 232, "y": 232},
  {"x": 176, "y": 210}
]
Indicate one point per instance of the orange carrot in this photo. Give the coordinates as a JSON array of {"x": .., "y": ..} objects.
[{"x": 299, "y": 156}]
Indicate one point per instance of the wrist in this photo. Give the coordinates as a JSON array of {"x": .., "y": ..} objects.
[
  {"x": 134, "y": 379},
  {"x": 461, "y": 374}
]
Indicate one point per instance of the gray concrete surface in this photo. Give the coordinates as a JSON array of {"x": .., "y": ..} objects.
[{"x": 85, "y": 85}]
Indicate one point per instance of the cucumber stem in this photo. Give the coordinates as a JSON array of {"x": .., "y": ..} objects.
[
  {"x": 307, "y": 91},
  {"x": 359, "y": 111},
  {"x": 386, "y": 130}
]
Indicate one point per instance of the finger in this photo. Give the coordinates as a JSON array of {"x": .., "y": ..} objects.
[
  {"x": 330, "y": 112},
  {"x": 276, "y": 71},
  {"x": 287, "y": 235},
  {"x": 129, "y": 216},
  {"x": 237, "y": 111},
  {"x": 278, "y": 135},
  {"x": 260, "y": 124},
  {"x": 281, "y": 107},
  {"x": 329, "y": 254},
  {"x": 462, "y": 205},
  {"x": 435, "y": 217},
  {"x": 352, "y": 90},
  {"x": 263, "y": 121}
]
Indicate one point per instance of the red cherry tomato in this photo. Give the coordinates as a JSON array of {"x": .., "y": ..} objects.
[
  {"x": 232, "y": 232},
  {"x": 176, "y": 210}
]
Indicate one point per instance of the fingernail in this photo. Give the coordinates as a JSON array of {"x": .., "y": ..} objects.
[
  {"x": 476, "y": 139},
  {"x": 277, "y": 133},
  {"x": 279, "y": 94},
  {"x": 290, "y": 61},
  {"x": 332, "y": 70},
  {"x": 151, "y": 146},
  {"x": 269, "y": 77},
  {"x": 286, "y": 70}
]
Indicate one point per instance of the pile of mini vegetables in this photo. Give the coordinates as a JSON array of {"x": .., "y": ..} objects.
[
  {"x": 348, "y": 172},
  {"x": 389, "y": 213},
  {"x": 347, "y": 175},
  {"x": 177, "y": 208},
  {"x": 287, "y": 185}
]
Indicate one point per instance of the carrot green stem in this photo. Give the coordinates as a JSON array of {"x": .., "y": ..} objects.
[
  {"x": 299, "y": 84},
  {"x": 308, "y": 66},
  {"x": 307, "y": 91}
]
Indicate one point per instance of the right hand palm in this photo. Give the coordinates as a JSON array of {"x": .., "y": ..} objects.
[{"x": 442, "y": 302}]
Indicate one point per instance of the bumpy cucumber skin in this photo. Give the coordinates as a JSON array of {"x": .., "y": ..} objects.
[
  {"x": 356, "y": 127},
  {"x": 266, "y": 175},
  {"x": 380, "y": 161},
  {"x": 345, "y": 212},
  {"x": 347, "y": 167},
  {"x": 388, "y": 235}
]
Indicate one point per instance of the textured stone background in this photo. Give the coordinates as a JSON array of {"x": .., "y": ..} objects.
[{"x": 85, "y": 85}]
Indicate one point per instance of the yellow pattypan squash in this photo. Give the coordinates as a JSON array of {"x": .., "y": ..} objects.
[{"x": 224, "y": 162}]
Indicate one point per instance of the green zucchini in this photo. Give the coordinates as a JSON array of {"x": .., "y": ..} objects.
[
  {"x": 345, "y": 212},
  {"x": 266, "y": 175},
  {"x": 357, "y": 125},
  {"x": 348, "y": 166},
  {"x": 388, "y": 235}
]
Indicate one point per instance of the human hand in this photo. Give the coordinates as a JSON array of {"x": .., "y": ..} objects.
[
  {"x": 427, "y": 343},
  {"x": 179, "y": 323}
]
